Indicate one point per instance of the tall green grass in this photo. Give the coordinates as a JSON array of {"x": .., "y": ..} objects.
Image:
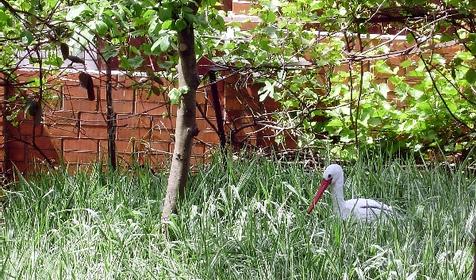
[{"x": 245, "y": 220}]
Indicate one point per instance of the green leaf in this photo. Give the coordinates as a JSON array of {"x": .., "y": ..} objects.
[
  {"x": 4, "y": 18},
  {"x": 267, "y": 90},
  {"x": 268, "y": 17},
  {"x": 27, "y": 37},
  {"x": 383, "y": 89},
  {"x": 135, "y": 62},
  {"x": 410, "y": 38},
  {"x": 76, "y": 11},
  {"x": 167, "y": 24},
  {"x": 465, "y": 56},
  {"x": 190, "y": 17},
  {"x": 335, "y": 123},
  {"x": 109, "y": 52},
  {"x": 317, "y": 5},
  {"x": 153, "y": 25},
  {"x": 417, "y": 94},
  {"x": 451, "y": 106},
  {"x": 406, "y": 63},
  {"x": 176, "y": 94},
  {"x": 101, "y": 27},
  {"x": 165, "y": 13},
  {"x": 163, "y": 43},
  {"x": 382, "y": 67},
  {"x": 375, "y": 121},
  {"x": 180, "y": 24},
  {"x": 470, "y": 76}
]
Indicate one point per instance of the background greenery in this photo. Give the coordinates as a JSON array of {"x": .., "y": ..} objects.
[{"x": 426, "y": 103}]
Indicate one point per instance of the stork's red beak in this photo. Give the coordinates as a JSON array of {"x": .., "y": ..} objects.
[{"x": 322, "y": 188}]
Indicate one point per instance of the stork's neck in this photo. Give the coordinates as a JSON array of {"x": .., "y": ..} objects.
[{"x": 337, "y": 193}]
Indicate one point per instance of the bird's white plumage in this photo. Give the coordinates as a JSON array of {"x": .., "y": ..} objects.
[
  {"x": 364, "y": 209},
  {"x": 359, "y": 208}
]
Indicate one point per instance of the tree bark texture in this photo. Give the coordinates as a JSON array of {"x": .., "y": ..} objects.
[
  {"x": 185, "y": 128},
  {"x": 111, "y": 119},
  {"x": 473, "y": 274}
]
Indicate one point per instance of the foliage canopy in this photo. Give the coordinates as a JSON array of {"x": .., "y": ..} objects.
[{"x": 344, "y": 86}]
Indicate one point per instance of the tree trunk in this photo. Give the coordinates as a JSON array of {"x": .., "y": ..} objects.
[
  {"x": 185, "y": 128},
  {"x": 111, "y": 119},
  {"x": 473, "y": 274}
]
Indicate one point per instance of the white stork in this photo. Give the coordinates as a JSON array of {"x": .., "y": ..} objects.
[{"x": 358, "y": 208}]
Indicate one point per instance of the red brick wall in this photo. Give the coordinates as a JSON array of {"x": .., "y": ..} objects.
[
  {"x": 74, "y": 129},
  {"x": 2, "y": 127}
]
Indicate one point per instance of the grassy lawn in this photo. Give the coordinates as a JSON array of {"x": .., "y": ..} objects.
[{"x": 245, "y": 222}]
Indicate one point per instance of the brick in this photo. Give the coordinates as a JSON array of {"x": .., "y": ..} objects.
[
  {"x": 77, "y": 92},
  {"x": 210, "y": 112},
  {"x": 161, "y": 135},
  {"x": 61, "y": 131},
  {"x": 125, "y": 94},
  {"x": 75, "y": 167},
  {"x": 172, "y": 110},
  {"x": 413, "y": 81},
  {"x": 143, "y": 95},
  {"x": 118, "y": 106},
  {"x": 16, "y": 150},
  {"x": 128, "y": 133},
  {"x": 77, "y": 157},
  {"x": 202, "y": 124},
  {"x": 125, "y": 81},
  {"x": 93, "y": 132},
  {"x": 71, "y": 79},
  {"x": 122, "y": 158},
  {"x": 26, "y": 128},
  {"x": 449, "y": 51},
  {"x": 17, "y": 156},
  {"x": 241, "y": 7},
  {"x": 83, "y": 105},
  {"x": 156, "y": 109},
  {"x": 160, "y": 146},
  {"x": 198, "y": 149},
  {"x": 80, "y": 145},
  {"x": 129, "y": 121},
  {"x": 121, "y": 146},
  {"x": 202, "y": 97},
  {"x": 196, "y": 160},
  {"x": 92, "y": 118},
  {"x": 159, "y": 123},
  {"x": 24, "y": 76},
  {"x": 118, "y": 94},
  {"x": 157, "y": 160},
  {"x": 208, "y": 136},
  {"x": 22, "y": 166},
  {"x": 46, "y": 142},
  {"x": 395, "y": 61},
  {"x": 33, "y": 154},
  {"x": 62, "y": 117},
  {"x": 234, "y": 104},
  {"x": 53, "y": 104}
]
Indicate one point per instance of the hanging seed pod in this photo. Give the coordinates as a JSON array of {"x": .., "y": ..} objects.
[
  {"x": 86, "y": 81},
  {"x": 38, "y": 114},
  {"x": 64, "y": 50},
  {"x": 76, "y": 59},
  {"x": 31, "y": 107}
]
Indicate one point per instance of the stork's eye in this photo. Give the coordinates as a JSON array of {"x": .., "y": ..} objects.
[{"x": 330, "y": 176}]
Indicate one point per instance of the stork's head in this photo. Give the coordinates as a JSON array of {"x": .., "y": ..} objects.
[{"x": 332, "y": 173}]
